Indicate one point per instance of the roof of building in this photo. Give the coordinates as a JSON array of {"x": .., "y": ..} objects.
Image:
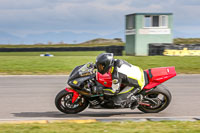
[{"x": 150, "y": 14}]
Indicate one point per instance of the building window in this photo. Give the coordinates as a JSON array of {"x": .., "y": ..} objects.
[
  {"x": 147, "y": 21},
  {"x": 156, "y": 21},
  {"x": 130, "y": 22},
  {"x": 164, "y": 20}
]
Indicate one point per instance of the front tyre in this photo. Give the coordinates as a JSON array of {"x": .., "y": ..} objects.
[
  {"x": 158, "y": 99},
  {"x": 63, "y": 102}
]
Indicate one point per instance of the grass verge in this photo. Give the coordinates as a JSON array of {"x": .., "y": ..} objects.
[
  {"x": 99, "y": 127},
  {"x": 63, "y": 62}
]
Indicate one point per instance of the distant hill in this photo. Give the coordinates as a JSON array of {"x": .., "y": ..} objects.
[
  {"x": 79, "y": 38},
  {"x": 187, "y": 40},
  {"x": 102, "y": 41}
]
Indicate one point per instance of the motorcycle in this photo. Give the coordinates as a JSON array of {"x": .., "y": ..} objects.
[{"x": 87, "y": 88}]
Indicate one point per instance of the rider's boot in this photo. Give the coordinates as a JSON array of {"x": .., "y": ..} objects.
[
  {"x": 135, "y": 99},
  {"x": 130, "y": 98}
]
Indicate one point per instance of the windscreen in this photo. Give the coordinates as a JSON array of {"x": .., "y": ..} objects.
[{"x": 86, "y": 69}]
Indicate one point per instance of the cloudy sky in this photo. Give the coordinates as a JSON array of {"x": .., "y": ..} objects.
[{"x": 104, "y": 17}]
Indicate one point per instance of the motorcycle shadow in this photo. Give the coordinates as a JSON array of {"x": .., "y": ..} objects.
[{"x": 56, "y": 114}]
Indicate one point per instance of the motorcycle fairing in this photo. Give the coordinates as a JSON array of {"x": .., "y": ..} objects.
[
  {"x": 78, "y": 82},
  {"x": 156, "y": 76},
  {"x": 105, "y": 79},
  {"x": 75, "y": 94},
  {"x": 159, "y": 75}
]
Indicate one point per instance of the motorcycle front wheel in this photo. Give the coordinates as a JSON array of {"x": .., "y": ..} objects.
[
  {"x": 63, "y": 102},
  {"x": 156, "y": 100}
]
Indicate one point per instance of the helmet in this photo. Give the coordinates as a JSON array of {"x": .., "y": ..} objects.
[{"x": 103, "y": 62}]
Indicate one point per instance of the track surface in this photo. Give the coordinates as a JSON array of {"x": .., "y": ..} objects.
[{"x": 32, "y": 97}]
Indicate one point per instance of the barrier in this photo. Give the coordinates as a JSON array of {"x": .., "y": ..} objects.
[
  {"x": 53, "y": 49},
  {"x": 174, "y": 49},
  {"x": 117, "y": 50},
  {"x": 167, "y": 49}
]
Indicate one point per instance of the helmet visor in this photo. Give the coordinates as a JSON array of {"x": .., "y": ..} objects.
[{"x": 100, "y": 67}]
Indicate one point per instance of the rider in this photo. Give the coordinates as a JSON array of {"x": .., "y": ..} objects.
[{"x": 123, "y": 73}]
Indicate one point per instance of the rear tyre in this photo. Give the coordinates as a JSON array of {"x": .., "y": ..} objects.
[
  {"x": 63, "y": 102},
  {"x": 158, "y": 98}
]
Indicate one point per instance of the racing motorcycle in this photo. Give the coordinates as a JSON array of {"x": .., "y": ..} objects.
[{"x": 87, "y": 89}]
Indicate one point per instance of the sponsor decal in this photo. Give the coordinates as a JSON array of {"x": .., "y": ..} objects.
[
  {"x": 75, "y": 82},
  {"x": 168, "y": 70},
  {"x": 184, "y": 52},
  {"x": 154, "y": 31}
]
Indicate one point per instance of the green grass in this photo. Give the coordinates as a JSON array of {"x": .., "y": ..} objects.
[
  {"x": 41, "y": 65},
  {"x": 101, "y": 127},
  {"x": 64, "y": 62}
]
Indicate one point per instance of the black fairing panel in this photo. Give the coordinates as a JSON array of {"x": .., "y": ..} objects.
[
  {"x": 74, "y": 74},
  {"x": 79, "y": 82}
]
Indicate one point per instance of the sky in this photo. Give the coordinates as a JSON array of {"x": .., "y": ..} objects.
[{"x": 103, "y": 17}]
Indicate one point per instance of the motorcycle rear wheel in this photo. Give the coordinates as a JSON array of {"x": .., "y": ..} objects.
[
  {"x": 162, "y": 103},
  {"x": 63, "y": 102}
]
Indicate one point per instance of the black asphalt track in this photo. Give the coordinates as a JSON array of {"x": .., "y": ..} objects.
[{"x": 32, "y": 97}]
